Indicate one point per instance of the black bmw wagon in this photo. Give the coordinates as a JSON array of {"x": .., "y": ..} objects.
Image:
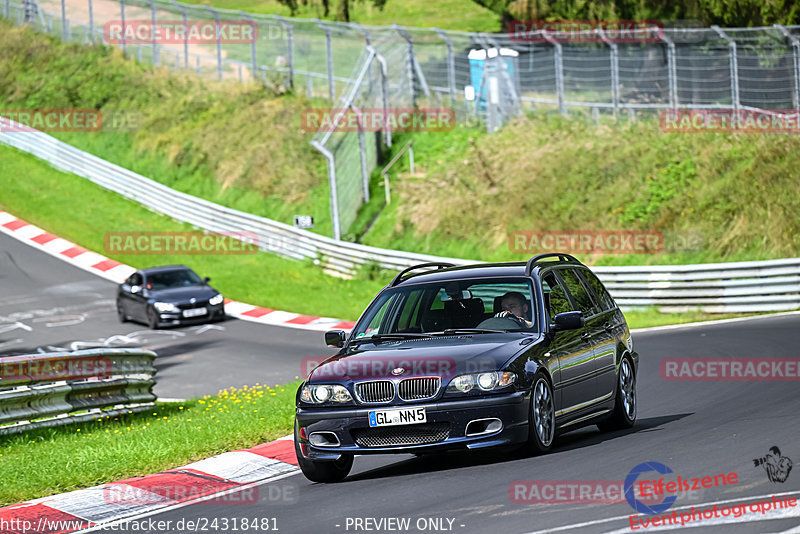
[{"x": 466, "y": 357}]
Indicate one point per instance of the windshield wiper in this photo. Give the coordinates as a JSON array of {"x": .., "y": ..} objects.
[
  {"x": 451, "y": 331},
  {"x": 375, "y": 338}
]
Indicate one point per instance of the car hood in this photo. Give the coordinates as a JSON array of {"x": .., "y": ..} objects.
[
  {"x": 443, "y": 356},
  {"x": 183, "y": 294}
]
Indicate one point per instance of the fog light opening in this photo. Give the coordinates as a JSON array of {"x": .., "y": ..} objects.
[
  {"x": 324, "y": 439},
  {"x": 480, "y": 427}
]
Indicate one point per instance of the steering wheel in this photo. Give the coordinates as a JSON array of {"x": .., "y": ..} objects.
[{"x": 502, "y": 323}]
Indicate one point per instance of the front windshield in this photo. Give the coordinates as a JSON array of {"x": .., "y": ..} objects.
[
  {"x": 172, "y": 279},
  {"x": 504, "y": 304}
]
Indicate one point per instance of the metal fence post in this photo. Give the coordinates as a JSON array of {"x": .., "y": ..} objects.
[
  {"x": 733, "y": 65},
  {"x": 153, "y": 30},
  {"x": 672, "y": 71},
  {"x": 332, "y": 184},
  {"x": 384, "y": 93},
  {"x": 289, "y": 49},
  {"x": 63, "y": 20},
  {"x": 368, "y": 42},
  {"x": 253, "y": 61},
  {"x": 559, "y": 68},
  {"x": 796, "y": 64},
  {"x": 122, "y": 19},
  {"x": 451, "y": 63},
  {"x": 409, "y": 61},
  {"x": 185, "y": 33},
  {"x": 614, "y": 68},
  {"x": 91, "y": 22},
  {"x": 362, "y": 155},
  {"x": 329, "y": 48},
  {"x": 219, "y": 41}
]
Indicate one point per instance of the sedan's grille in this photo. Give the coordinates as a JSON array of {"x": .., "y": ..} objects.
[
  {"x": 191, "y": 306},
  {"x": 375, "y": 391},
  {"x": 418, "y": 388},
  {"x": 402, "y": 435}
]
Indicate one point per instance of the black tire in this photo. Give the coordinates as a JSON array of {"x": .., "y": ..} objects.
[
  {"x": 624, "y": 414},
  {"x": 121, "y": 314},
  {"x": 325, "y": 472},
  {"x": 542, "y": 416},
  {"x": 152, "y": 319}
]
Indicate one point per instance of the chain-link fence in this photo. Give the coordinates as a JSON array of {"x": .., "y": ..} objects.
[{"x": 488, "y": 76}]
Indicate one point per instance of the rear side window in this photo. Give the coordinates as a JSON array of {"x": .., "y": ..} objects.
[
  {"x": 578, "y": 292},
  {"x": 555, "y": 297},
  {"x": 602, "y": 297}
]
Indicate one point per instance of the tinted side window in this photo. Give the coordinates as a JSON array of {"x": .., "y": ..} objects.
[
  {"x": 134, "y": 280},
  {"x": 578, "y": 292},
  {"x": 601, "y": 294},
  {"x": 555, "y": 298}
]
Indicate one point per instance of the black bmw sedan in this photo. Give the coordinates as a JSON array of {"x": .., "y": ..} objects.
[
  {"x": 469, "y": 357},
  {"x": 170, "y": 295}
]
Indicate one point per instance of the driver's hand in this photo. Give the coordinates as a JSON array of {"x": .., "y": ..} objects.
[
  {"x": 508, "y": 315},
  {"x": 503, "y": 313}
]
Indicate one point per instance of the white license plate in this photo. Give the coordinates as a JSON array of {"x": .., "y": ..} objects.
[
  {"x": 195, "y": 312},
  {"x": 403, "y": 416}
]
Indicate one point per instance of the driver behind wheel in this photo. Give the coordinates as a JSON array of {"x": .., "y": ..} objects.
[{"x": 515, "y": 306}]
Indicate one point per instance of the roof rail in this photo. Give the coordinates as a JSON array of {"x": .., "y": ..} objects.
[
  {"x": 561, "y": 257},
  {"x": 438, "y": 264}
]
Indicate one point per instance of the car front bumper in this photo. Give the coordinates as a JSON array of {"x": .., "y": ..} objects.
[
  {"x": 346, "y": 423},
  {"x": 176, "y": 318}
]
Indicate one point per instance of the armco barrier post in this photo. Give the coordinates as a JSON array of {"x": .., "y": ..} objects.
[{"x": 734, "y": 67}]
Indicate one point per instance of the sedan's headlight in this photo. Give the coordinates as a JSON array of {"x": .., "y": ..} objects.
[
  {"x": 216, "y": 299},
  {"x": 487, "y": 381},
  {"x": 165, "y": 307},
  {"x": 320, "y": 394}
]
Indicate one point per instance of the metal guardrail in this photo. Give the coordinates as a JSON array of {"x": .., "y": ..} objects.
[
  {"x": 714, "y": 288},
  {"x": 44, "y": 390}
]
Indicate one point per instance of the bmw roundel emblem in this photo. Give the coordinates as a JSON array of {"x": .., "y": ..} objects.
[
  {"x": 192, "y": 300},
  {"x": 398, "y": 371}
]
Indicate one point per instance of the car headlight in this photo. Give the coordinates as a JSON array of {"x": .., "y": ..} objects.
[
  {"x": 488, "y": 381},
  {"x": 320, "y": 394},
  {"x": 216, "y": 299},
  {"x": 165, "y": 307}
]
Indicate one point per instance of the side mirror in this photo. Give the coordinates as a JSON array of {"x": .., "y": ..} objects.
[
  {"x": 567, "y": 321},
  {"x": 136, "y": 289},
  {"x": 335, "y": 338},
  {"x": 206, "y": 279}
]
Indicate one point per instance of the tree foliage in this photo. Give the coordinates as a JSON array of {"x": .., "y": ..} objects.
[
  {"x": 341, "y": 8},
  {"x": 706, "y": 12}
]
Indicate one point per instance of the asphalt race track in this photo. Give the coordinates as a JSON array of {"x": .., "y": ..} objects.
[
  {"x": 696, "y": 428},
  {"x": 48, "y": 305},
  {"x": 700, "y": 428}
]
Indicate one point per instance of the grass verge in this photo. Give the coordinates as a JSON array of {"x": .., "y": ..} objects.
[{"x": 48, "y": 461}]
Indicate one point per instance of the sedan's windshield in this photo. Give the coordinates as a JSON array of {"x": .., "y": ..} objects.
[
  {"x": 171, "y": 279},
  {"x": 483, "y": 305}
]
